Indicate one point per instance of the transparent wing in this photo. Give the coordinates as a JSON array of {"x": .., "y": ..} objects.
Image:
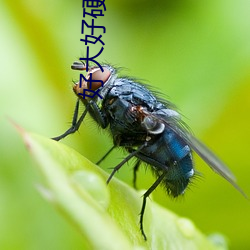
[{"x": 175, "y": 124}]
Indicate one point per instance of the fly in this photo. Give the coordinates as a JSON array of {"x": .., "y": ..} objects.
[{"x": 149, "y": 128}]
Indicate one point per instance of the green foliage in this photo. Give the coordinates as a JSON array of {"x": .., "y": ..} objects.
[
  {"x": 106, "y": 216},
  {"x": 195, "y": 52}
]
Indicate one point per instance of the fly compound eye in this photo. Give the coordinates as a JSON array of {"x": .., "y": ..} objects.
[
  {"x": 98, "y": 78},
  {"x": 153, "y": 126}
]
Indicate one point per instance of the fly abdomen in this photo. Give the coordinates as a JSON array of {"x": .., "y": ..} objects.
[
  {"x": 180, "y": 166},
  {"x": 177, "y": 147},
  {"x": 178, "y": 176}
]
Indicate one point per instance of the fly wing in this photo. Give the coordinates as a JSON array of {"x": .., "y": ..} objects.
[
  {"x": 175, "y": 124},
  {"x": 208, "y": 156}
]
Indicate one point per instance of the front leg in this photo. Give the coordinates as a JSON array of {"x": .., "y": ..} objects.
[
  {"x": 75, "y": 124},
  {"x": 94, "y": 111},
  {"x": 97, "y": 114}
]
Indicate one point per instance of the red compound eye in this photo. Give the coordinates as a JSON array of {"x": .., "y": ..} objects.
[{"x": 98, "y": 75}]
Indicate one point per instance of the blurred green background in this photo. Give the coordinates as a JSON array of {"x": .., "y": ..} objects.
[{"x": 195, "y": 52}]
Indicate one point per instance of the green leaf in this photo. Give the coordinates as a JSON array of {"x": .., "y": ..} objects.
[{"x": 107, "y": 215}]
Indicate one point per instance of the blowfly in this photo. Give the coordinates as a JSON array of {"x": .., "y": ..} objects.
[{"x": 148, "y": 127}]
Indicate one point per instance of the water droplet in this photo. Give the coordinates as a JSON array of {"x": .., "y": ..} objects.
[
  {"x": 94, "y": 185},
  {"x": 186, "y": 226}
]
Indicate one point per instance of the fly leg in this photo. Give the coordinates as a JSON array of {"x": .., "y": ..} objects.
[
  {"x": 105, "y": 155},
  {"x": 135, "y": 169},
  {"x": 91, "y": 107},
  {"x": 75, "y": 124},
  {"x": 125, "y": 160},
  {"x": 145, "y": 196}
]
